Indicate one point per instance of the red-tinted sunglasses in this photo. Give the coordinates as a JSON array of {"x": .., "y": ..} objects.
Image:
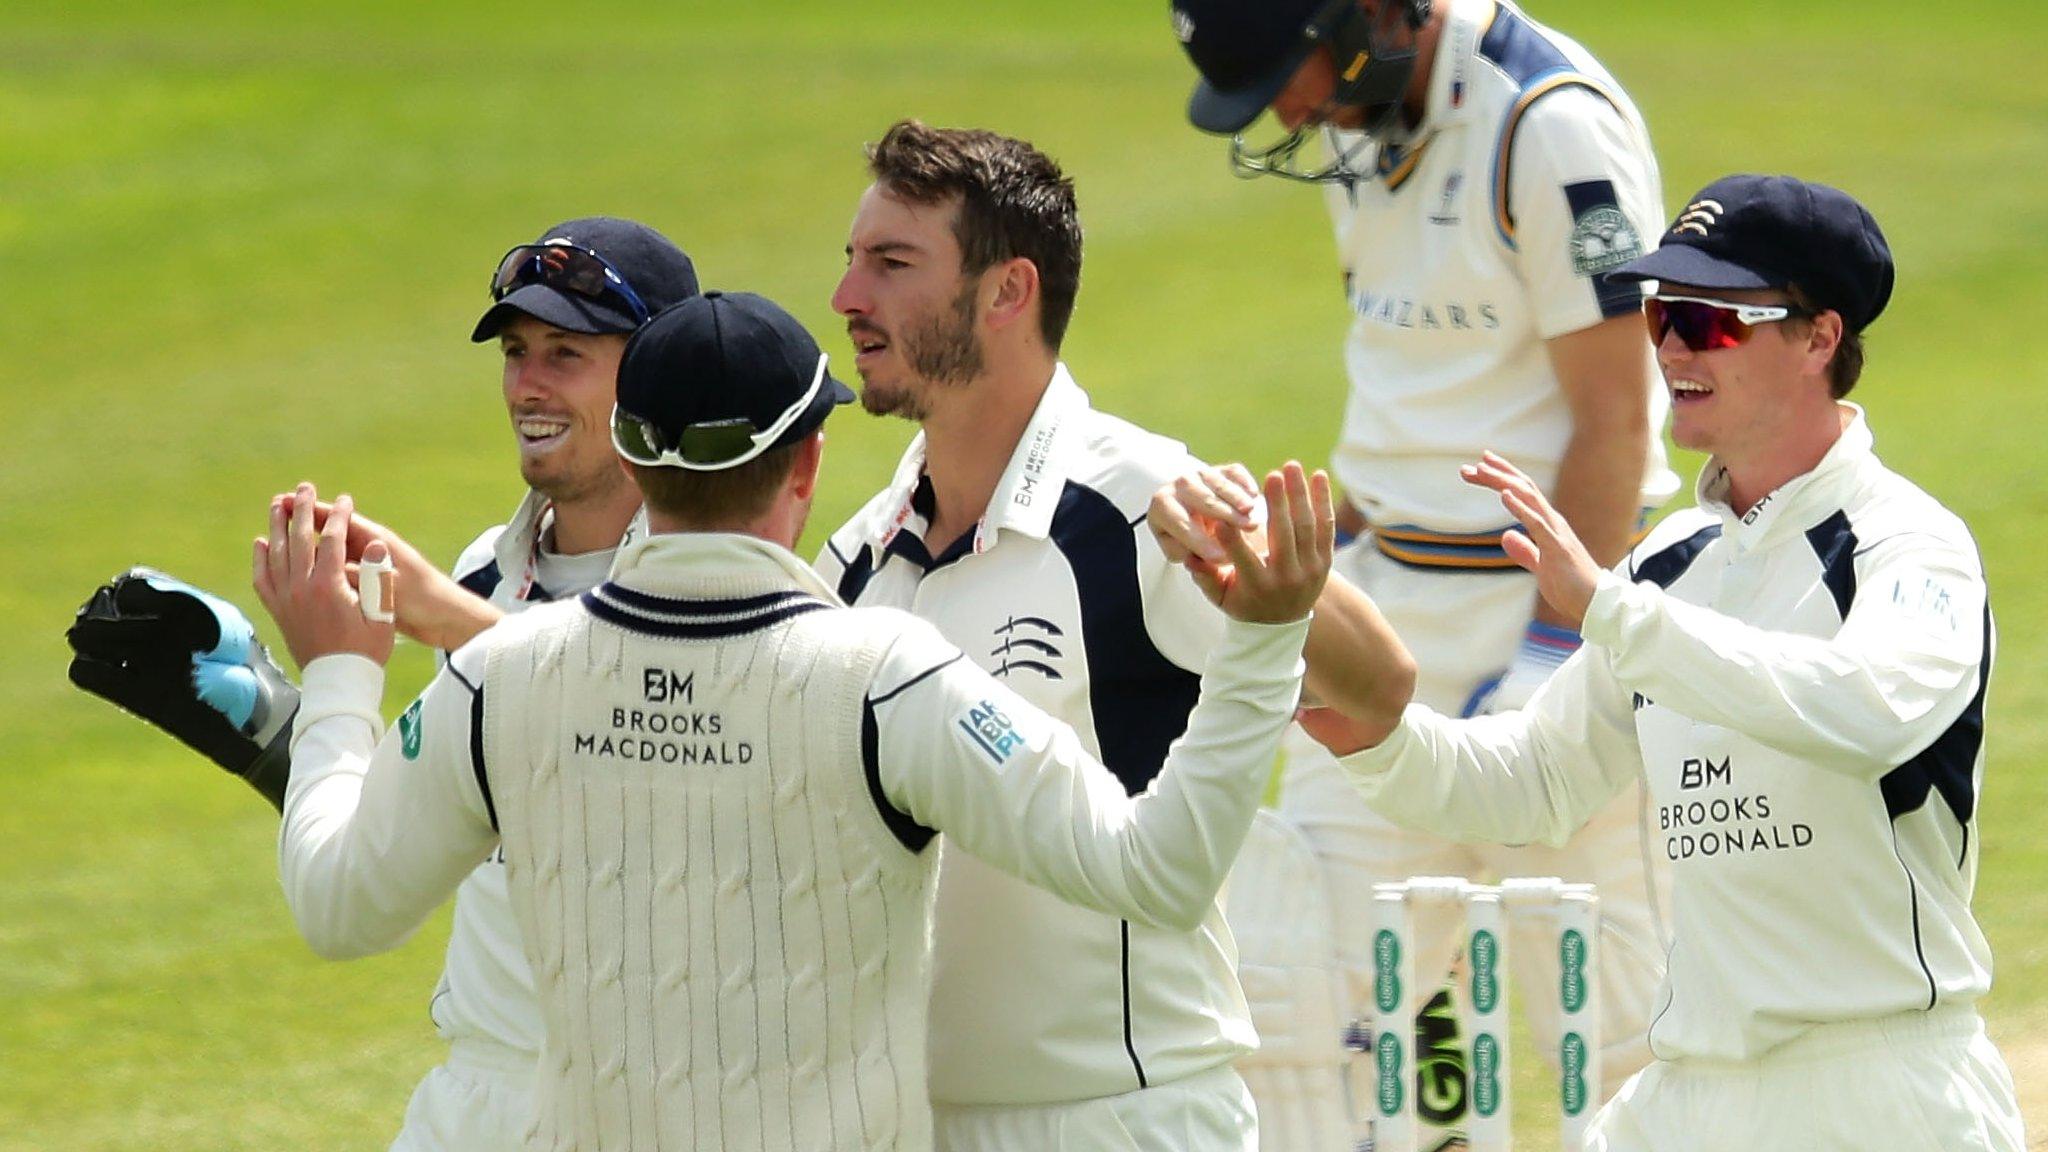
[{"x": 1705, "y": 324}]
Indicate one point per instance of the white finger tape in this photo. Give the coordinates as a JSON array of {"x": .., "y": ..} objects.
[{"x": 374, "y": 582}]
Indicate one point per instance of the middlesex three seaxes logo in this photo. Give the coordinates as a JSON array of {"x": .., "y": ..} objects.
[
  {"x": 1698, "y": 216},
  {"x": 1021, "y": 640}
]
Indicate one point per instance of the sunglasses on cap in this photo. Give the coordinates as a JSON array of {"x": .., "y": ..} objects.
[
  {"x": 708, "y": 446},
  {"x": 1705, "y": 325},
  {"x": 567, "y": 268}
]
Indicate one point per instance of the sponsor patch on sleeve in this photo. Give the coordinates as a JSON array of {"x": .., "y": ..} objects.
[
  {"x": 409, "y": 731},
  {"x": 991, "y": 730},
  {"x": 1926, "y": 598},
  {"x": 1601, "y": 240}
]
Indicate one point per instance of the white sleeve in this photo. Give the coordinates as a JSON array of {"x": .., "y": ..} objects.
[
  {"x": 1529, "y": 776},
  {"x": 1903, "y": 666},
  {"x": 959, "y": 752},
  {"x": 377, "y": 833},
  {"x": 1584, "y": 198}
]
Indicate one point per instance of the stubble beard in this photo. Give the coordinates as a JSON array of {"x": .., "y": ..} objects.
[{"x": 944, "y": 353}]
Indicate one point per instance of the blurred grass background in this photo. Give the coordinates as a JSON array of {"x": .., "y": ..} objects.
[{"x": 244, "y": 244}]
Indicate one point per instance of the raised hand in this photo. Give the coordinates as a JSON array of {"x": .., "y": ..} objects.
[
  {"x": 299, "y": 572},
  {"x": 1566, "y": 574},
  {"x": 1183, "y": 514},
  {"x": 435, "y": 610},
  {"x": 1282, "y": 582}
]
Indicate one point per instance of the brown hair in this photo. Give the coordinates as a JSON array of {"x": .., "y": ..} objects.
[
  {"x": 1014, "y": 202},
  {"x": 706, "y": 501},
  {"x": 1846, "y": 366}
]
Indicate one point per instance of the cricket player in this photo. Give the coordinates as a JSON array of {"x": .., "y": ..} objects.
[
  {"x": 718, "y": 789},
  {"x": 561, "y": 310},
  {"x": 1014, "y": 524},
  {"x": 1797, "y": 672},
  {"x": 1481, "y": 171}
]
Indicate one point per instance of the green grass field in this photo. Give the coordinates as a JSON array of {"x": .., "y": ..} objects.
[{"x": 241, "y": 249}]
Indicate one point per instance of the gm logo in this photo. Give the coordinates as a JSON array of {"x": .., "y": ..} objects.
[{"x": 1025, "y": 643}]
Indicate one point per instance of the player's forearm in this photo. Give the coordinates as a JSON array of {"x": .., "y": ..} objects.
[
  {"x": 1861, "y": 702},
  {"x": 1599, "y": 483},
  {"x": 1491, "y": 778},
  {"x": 361, "y": 865},
  {"x": 1186, "y": 830},
  {"x": 1606, "y": 376},
  {"x": 440, "y": 613},
  {"x": 332, "y": 741},
  {"x": 1018, "y": 790},
  {"x": 1356, "y": 664}
]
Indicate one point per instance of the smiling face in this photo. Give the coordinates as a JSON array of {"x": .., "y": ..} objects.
[
  {"x": 1737, "y": 402},
  {"x": 559, "y": 386},
  {"x": 910, "y": 313}
]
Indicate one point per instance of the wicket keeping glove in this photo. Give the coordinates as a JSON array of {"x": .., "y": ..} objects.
[
  {"x": 189, "y": 663},
  {"x": 1544, "y": 648}
]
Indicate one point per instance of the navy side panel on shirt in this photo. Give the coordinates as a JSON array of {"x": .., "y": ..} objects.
[
  {"x": 483, "y": 581},
  {"x": 1513, "y": 45},
  {"x": 1834, "y": 543},
  {"x": 1670, "y": 563},
  {"x": 855, "y": 573},
  {"x": 476, "y": 753},
  {"x": 1138, "y": 698},
  {"x": 1947, "y": 766}
]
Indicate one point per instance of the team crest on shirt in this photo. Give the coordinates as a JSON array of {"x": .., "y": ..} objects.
[
  {"x": 1026, "y": 644},
  {"x": 1443, "y": 215},
  {"x": 409, "y": 731},
  {"x": 1602, "y": 239}
]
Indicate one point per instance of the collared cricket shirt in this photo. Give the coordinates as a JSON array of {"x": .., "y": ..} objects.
[
  {"x": 1802, "y": 690},
  {"x": 1060, "y": 593},
  {"x": 1467, "y": 245}
]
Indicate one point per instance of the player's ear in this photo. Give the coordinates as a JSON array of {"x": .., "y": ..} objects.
[
  {"x": 1010, "y": 293},
  {"x": 1823, "y": 336},
  {"x": 810, "y": 458}
]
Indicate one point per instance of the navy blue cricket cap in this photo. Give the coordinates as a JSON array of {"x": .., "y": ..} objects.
[
  {"x": 657, "y": 271},
  {"x": 716, "y": 373},
  {"x": 1775, "y": 232},
  {"x": 1246, "y": 51}
]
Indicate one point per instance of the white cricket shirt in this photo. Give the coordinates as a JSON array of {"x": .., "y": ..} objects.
[
  {"x": 1061, "y": 593},
  {"x": 719, "y": 791},
  {"x": 1468, "y": 244},
  {"x": 1802, "y": 690}
]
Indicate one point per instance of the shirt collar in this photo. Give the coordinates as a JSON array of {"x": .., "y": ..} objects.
[
  {"x": 1030, "y": 487},
  {"x": 1798, "y": 503},
  {"x": 1026, "y": 494},
  {"x": 715, "y": 565},
  {"x": 517, "y": 549},
  {"x": 1450, "y": 98}
]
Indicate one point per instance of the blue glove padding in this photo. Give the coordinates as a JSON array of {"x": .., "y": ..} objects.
[
  {"x": 1544, "y": 648},
  {"x": 188, "y": 662}
]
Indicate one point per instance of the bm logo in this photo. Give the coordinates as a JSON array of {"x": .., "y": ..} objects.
[
  {"x": 662, "y": 686},
  {"x": 1698, "y": 773}
]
